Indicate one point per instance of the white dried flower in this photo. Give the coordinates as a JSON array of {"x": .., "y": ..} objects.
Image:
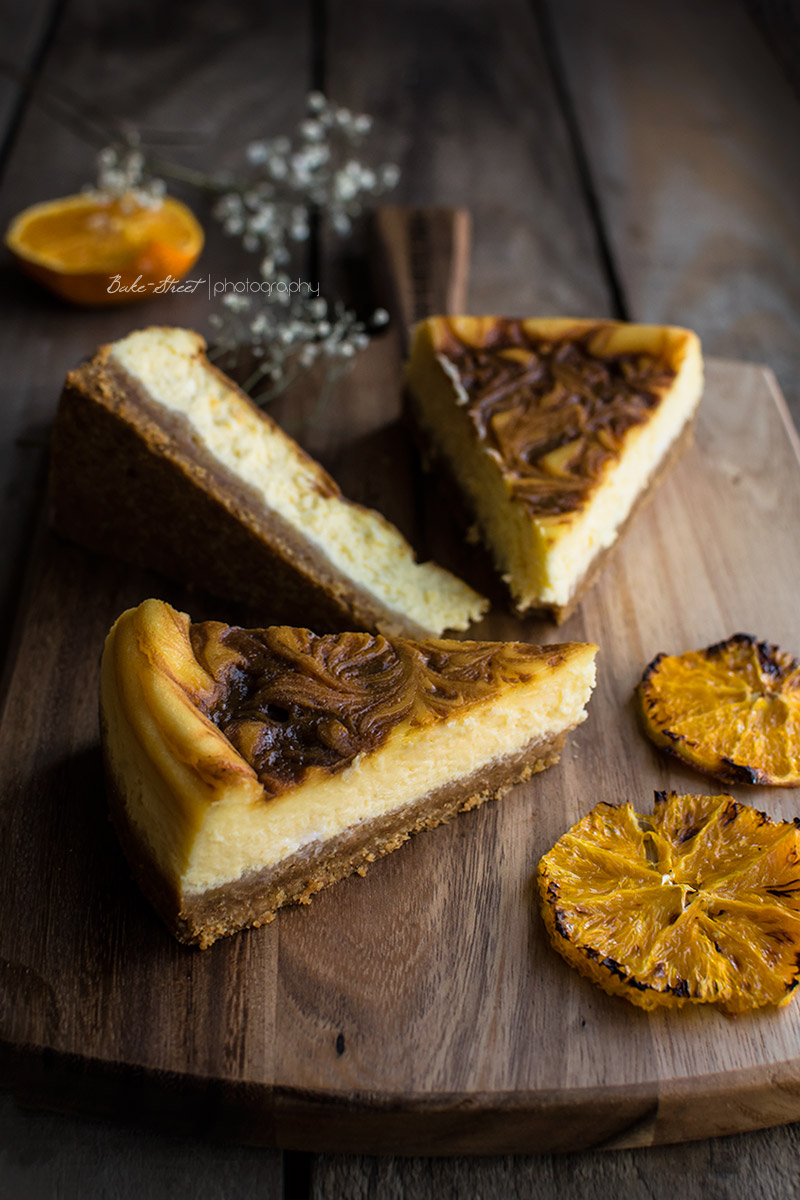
[
  {"x": 312, "y": 130},
  {"x": 123, "y": 175},
  {"x": 257, "y": 152},
  {"x": 317, "y": 171},
  {"x": 235, "y": 302},
  {"x": 277, "y": 166},
  {"x": 389, "y": 176}
]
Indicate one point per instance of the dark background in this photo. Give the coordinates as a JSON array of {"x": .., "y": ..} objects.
[{"x": 639, "y": 160}]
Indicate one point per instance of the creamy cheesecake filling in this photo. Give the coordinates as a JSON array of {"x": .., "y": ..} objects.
[
  {"x": 238, "y": 837},
  {"x": 573, "y": 546},
  {"x": 544, "y": 555},
  {"x": 357, "y": 542},
  {"x": 197, "y": 805}
]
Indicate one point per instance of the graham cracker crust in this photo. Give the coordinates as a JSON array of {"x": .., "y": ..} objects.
[
  {"x": 436, "y": 464},
  {"x": 254, "y": 899},
  {"x": 130, "y": 481}
]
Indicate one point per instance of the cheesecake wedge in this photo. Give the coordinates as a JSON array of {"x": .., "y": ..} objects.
[
  {"x": 248, "y": 769},
  {"x": 553, "y": 431},
  {"x": 160, "y": 459}
]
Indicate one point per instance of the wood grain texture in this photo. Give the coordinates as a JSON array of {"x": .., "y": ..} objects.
[
  {"x": 463, "y": 102},
  {"x": 690, "y": 131},
  {"x": 758, "y": 1166},
  {"x": 44, "y": 1156},
  {"x": 779, "y": 22},
  {"x": 419, "y": 1009},
  {"x": 426, "y": 258},
  {"x": 24, "y": 29}
]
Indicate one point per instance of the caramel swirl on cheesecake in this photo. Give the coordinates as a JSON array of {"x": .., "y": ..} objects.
[
  {"x": 290, "y": 700},
  {"x": 552, "y": 412}
]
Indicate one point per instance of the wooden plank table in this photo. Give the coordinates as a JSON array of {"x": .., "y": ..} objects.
[{"x": 548, "y": 127}]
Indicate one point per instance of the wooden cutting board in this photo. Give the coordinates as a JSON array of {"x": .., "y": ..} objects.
[{"x": 420, "y": 1009}]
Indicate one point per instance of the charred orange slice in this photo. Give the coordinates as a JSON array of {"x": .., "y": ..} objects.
[
  {"x": 698, "y": 903},
  {"x": 732, "y": 710},
  {"x": 92, "y": 250}
]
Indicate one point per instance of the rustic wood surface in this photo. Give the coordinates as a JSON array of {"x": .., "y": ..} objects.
[
  {"x": 445, "y": 76},
  {"x": 504, "y": 149},
  {"x": 691, "y": 134},
  {"x": 25, "y": 39},
  {"x": 397, "y": 1013},
  {"x": 403, "y": 997}
]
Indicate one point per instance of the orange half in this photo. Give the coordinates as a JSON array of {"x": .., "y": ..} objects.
[{"x": 76, "y": 246}]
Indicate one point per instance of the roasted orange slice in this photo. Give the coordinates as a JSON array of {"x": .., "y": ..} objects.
[
  {"x": 697, "y": 904},
  {"x": 92, "y": 250},
  {"x": 732, "y": 710}
]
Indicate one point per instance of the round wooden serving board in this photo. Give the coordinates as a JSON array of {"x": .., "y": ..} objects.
[{"x": 420, "y": 1009}]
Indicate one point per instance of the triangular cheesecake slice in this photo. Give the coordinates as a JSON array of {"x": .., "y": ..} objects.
[
  {"x": 160, "y": 459},
  {"x": 553, "y": 431},
  {"x": 247, "y": 769}
]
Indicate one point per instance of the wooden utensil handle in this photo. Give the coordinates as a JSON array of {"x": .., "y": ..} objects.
[{"x": 423, "y": 257}]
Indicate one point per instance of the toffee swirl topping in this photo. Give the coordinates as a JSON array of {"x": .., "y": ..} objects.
[
  {"x": 552, "y": 413},
  {"x": 289, "y": 700}
]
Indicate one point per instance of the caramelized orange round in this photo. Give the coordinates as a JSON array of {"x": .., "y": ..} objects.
[
  {"x": 731, "y": 710},
  {"x": 697, "y": 903}
]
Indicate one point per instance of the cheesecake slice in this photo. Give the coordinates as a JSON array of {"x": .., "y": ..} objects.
[
  {"x": 160, "y": 459},
  {"x": 249, "y": 768},
  {"x": 553, "y": 431}
]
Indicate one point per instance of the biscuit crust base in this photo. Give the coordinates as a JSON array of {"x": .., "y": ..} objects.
[
  {"x": 201, "y": 918},
  {"x": 129, "y": 480}
]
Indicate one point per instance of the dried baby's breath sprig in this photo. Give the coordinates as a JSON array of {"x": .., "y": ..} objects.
[
  {"x": 125, "y": 173},
  {"x": 288, "y": 179},
  {"x": 316, "y": 173},
  {"x": 271, "y": 205},
  {"x": 285, "y": 334}
]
